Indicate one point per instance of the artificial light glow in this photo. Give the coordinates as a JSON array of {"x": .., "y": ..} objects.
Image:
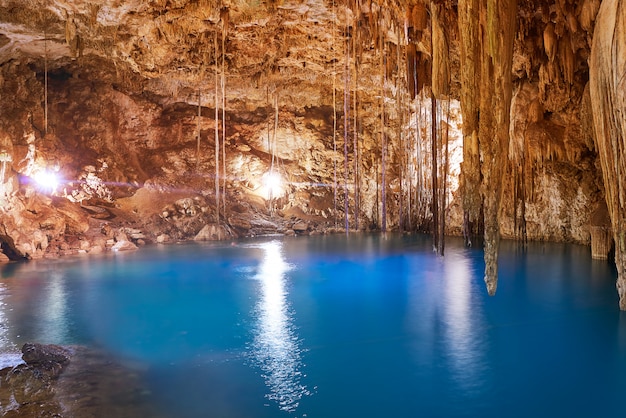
[
  {"x": 47, "y": 181},
  {"x": 272, "y": 185}
]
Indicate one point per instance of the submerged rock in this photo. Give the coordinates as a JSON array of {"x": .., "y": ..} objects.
[
  {"x": 26, "y": 390},
  {"x": 45, "y": 356},
  {"x": 72, "y": 382}
]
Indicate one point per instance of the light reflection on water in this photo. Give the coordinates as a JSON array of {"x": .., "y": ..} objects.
[
  {"x": 463, "y": 318},
  {"x": 54, "y": 308},
  {"x": 9, "y": 355},
  {"x": 276, "y": 347}
]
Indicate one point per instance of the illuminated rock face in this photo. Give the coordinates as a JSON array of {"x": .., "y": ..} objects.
[
  {"x": 608, "y": 98},
  {"x": 135, "y": 105}
]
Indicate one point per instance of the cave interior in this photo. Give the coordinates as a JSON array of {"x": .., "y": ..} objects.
[{"x": 124, "y": 123}]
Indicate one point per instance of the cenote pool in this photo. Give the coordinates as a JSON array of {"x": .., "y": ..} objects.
[{"x": 337, "y": 326}]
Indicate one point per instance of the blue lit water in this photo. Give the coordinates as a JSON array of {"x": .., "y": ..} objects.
[{"x": 336, "y": 326}]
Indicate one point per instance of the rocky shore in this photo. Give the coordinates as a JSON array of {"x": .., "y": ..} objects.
[{"x": 38, "y": 226}]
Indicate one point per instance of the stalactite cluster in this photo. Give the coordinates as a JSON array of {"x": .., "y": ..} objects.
[{"x": 487, "y": 56}]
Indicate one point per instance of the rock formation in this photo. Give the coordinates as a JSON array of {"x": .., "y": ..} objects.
[
  {"x": 608, "y": 98},
  {"x": 176, "y": 119}
]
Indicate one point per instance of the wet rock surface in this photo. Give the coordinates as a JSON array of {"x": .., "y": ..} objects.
[
  {"x": 73, "y": 382},
  {"x": 28, "y": 389}
]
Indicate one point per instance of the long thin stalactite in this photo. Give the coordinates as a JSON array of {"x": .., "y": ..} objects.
[
  {"x": 334, "y": 119},
  {"x": 217, "y": 136},
  {"x": 383, "y": 137},
  {"x": 355, "y": 126},
  {"x": 434, "y": 155},
  {"x": 223, "y": 83},
  {"x": 198, "y": 129},
  {"x": 45, "y": 61},
  {"x": 346, "y": 123},
  {"x": 399, "y": 138}
]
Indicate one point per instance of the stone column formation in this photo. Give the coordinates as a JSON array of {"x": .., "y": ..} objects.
[{"x": 607, "y": 79}]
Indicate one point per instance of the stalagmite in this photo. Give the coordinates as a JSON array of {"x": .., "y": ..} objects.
[{"x": 607, "y": 80}]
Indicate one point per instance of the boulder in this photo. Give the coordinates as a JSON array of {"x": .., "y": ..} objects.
[
  {"x": 123, "y": 245},
  {"x": 212, "y": 232},
  {"x": 300, "y": 227}
]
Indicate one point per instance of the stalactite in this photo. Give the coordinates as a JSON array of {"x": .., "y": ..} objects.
[
  {"x": 469, "y": 20},
  {"x": 273, "y": 149},
  {"x": 45, "y": 64},
  {"x": 355, "y": 148},
  {"x": 198, "y": 127},
  {"x": 522, "y": 227},
  {"x": 334, "y": 120},
  {"x": 402, "y": 176},
  {"x": 217, "y": 138},
  {"x": 433, "y": 150},
  {"x": 440, "y": 53},
  {"x": 346, "y": 123},
  {"x": 408, "y": 147},
  {"x": 269, "y": 121},
  {"x": 444, "y": 188},
  {"x": 383, "y": 137},
  {"x": 440, "y": 90},
  {"x": 498, "y": 23},
  {"x": 419, "y": 155},
  {"x": 224, "y": 18}
]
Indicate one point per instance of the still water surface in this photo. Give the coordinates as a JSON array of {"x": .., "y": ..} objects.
[{"x": 358, "y": 326}]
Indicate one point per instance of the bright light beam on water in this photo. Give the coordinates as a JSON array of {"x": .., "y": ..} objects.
[{"x": 276, "y": 346}]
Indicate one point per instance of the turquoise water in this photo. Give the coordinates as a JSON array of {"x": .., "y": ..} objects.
[{"x": 336, "y": 326}]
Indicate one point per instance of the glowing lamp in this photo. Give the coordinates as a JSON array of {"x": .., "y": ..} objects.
[
  {"x": 47, "y": 181},
  {"x": 272, "y": 185}
]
